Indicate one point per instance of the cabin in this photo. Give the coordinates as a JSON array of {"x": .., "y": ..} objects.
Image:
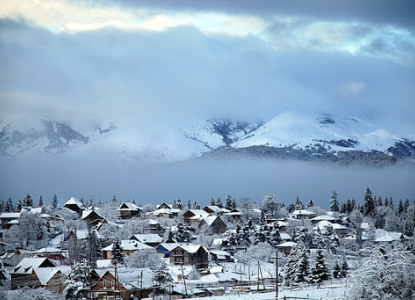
[
  {"x": 150, "y": 239},
  {"x": 91, "y": 217},
  {"x": 129, "y": 210},
  {"x": 74, "y": 205},
  {"x": 9, "y": 219},
  {"x": 35, "y": 272},
  {"x": 214, "y": 223},
  {"x": 189, "y": 254},
  {"x": 128, "y": 246},
  {"x": 234, "y": 215},
  {"x": 221, "y": 256},
  {"x": 194, "y": 216}
]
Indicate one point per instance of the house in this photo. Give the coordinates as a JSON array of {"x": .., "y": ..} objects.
[
  {"x": 286, "y": 247},
  {"x": 194, "y": 216},
  {"x": 164, "y": 205},
  {"x": 167, "y": 213},
  {"x": 303, "y": 214},
  {"x": 215, "y": 210},
  {"x": 221, "y": 256},
  {"x": 214, "y": 223},
  {"x": 39, "y": 272},
  {"x": 235, "y": 215},
  {"x": 74, "y": 205},
  {"x": 189, "y": 254},
  {"x": 328, "y": 218},
  {"x": 338, "y": 229},
  {"x": 155, "y": 227},
  {"x": 129, "y": 210},
  {"x": 91, "y": 217},
  {"x": 128, "y": 246},
  {"x": 150, "y": 239},
  {"x": 9, "y": 219}
]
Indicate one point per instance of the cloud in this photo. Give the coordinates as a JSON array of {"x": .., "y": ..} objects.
[{"x": 351, "y": 89}]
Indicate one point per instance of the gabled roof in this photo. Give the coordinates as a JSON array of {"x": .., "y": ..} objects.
[
  {"x": 10, "y": 215},
  {"x": 129, "y": 206},
  {"x": 46, "y": 274},
  {"x": 210, "y": 219},
  {"x": 147, "y": 238},
  {"x": 324, "y": 218},
  {"x": 189, "y": 248},
  {"x": 88, "y": 212},
  {"x": 130, "y": 245},
  {"x": 74, "y": 201},
  {"x": 198, "y": 212},
  {"x": 27, "y": 264},
  {"x": 303, "y": 212}
]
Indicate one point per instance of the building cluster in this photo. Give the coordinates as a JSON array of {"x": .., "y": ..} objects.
[{"x": 178, "y": 246}]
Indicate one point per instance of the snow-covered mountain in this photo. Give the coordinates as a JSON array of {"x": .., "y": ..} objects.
[{"x": 292, "y": 134}]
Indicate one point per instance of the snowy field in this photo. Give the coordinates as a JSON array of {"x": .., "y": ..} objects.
[{"x": 333, "y": 292}]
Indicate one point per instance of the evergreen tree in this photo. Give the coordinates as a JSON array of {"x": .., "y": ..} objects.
[
  {"x": 406, "y": 205},
  {"x": 298, "y": 204},
  {"x": 354, "y": 205},
  {"x": 369, "y": 208},
  {"x": 212, "y": 202},
  {"x": 40, "y": 204},
  {"x": 18, "y": 206},
  {"x": 219, "y": 203},
  {"x": 2, "y": 205},
  {"x": 54, "y": 201},
  {"x": 302, "y": 267},
  {"x": 117, "y": 257},
  {"x": 310, "y": 203},
  {"x": 343, "y": 208},
  {"x": 334, "y": 205},
  {"x": 400, "y": 207},
  {"x": 162, "y": 279},
  {"x": 290, "y": 266},
  {"x": 291, "y": 207},
  {"x": 189, "y": 205},
  {"x": 77, "y": 280},
  {"x": 337, "y": 270},
  {"x": 228, "y": 202},
  {"x": 380, "y": 203},
  {"x": 175, "y": 204},
  {"x": 9, "y": 207},
  {"x": 94, "y": 247},
  {"x": 179, "y": 204},
  {"x": 345, "y": 268},
  {"x": 320, "y": 271},
  {"x": 386, "y": 201},
  {"x": 27, "y": 201},
  {"x": 391, "y": 205}
]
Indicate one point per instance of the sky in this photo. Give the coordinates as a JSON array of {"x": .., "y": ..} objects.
[{"x": 144, "y": 65}]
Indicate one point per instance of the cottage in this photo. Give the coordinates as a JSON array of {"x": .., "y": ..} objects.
[
  {"x": 221, "y": 256},
  {"x": 129, "y": 210},
  {"x": 91, "y": 217},
  {"x": 74, "y": 205},
  {"x": 234, "y": 215},
  {"x": 189, "y": 254},
  {"x": 150, "y": 239},
  {"x": 194, "y": 216},
  {"x": 128, "y": 246},
  {"x": 38, "y": 272},
  {"x": 286, "y": 247},
  {"x": 214, "y": 223}
]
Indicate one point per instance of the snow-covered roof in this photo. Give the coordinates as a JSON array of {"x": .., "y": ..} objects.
[
  {"x": 324, "y": 218},
  {"x": 190, "y": 248},
  {"x": 129, "y": 206},
  {"x": 199, "y": 212},
  {"x": 148, "y": 238},
  {"x": 87, "y": 212},
  {"x": 220, "y": 252},
  {"x": 9, "y": 215},
  {"x": 83, "y": 234},
  {"x": 45, "y": 274},
  {"x": 214, "y": 208},
  {"x": 323, "y": 224},
  {"x": 285, "y": 236},
  {"x": 29, "y": 263},
  {"x": 302, "y": 212},
  {"x": 130, "y": 245},
  {"x": 210, "y": 219},
  {"x": 287, "y": 244},
  {"x": 74, "y": 201}
]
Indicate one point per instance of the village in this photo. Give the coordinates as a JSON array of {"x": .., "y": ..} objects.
[{"x": 121, "y": 250}]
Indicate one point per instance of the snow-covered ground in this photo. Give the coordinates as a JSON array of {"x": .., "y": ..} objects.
[{"x": 325, "y": 292}]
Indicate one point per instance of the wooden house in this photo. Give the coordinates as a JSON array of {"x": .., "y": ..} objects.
[
  {"x": 128, "y": 246},
  {"x": 129, "y": 210},
  {"x": 189, "y": 254},
  {"x": 214, "y": 223}
]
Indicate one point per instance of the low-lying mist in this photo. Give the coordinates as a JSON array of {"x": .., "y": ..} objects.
[{"x": 198, "y": 180}]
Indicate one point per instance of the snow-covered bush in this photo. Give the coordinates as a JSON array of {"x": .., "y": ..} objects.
[
  {"x": 27, "y": 293},
  {"x": 385, "y": 275}
]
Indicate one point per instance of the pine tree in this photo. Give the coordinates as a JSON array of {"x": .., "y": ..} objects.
[
  {"x": 369, "y": 208},
  {"x": 406, "y": 205},
  {"x": 27, "y": 201},
  {"x": 380, "y": 203},
  {"x": 302, "y": 267},
  {"x": 117, "y": 257},
  {"x": 298, "y": 204},
  {"x": 228, "y": 202},
  {"x": 9, "y": 207},
  {"x": 189, "y": 205},
  {"x": 345, "y": 268},
  {"x": 162, "y": 279},
  {"x": 212, "y": 202},
  {"x": 320, "y": 271},
  {"x": 54, "y": 201},
  {"x": 290, "y": 266},
  {"x": 2, "y": 205},
  {"x": 391, "y": 205},
  {"x": 18, "y": 206},
  {"x": 334, "y": 205},
  {"x": 310, "y": 203},
  {"x": 40, "y": 204},
  {"x": 337, "y": 270},
  {"x": 400, "y": 207},
  {"x": 219, "y": 203}
]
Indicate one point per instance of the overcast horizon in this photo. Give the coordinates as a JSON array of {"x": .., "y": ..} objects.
[{"x": 146, "y": 65}]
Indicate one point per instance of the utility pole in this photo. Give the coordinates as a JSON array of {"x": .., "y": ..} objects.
[
  {"x": 184, "y": 282},
  {"x": 276, "y": 274}
]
